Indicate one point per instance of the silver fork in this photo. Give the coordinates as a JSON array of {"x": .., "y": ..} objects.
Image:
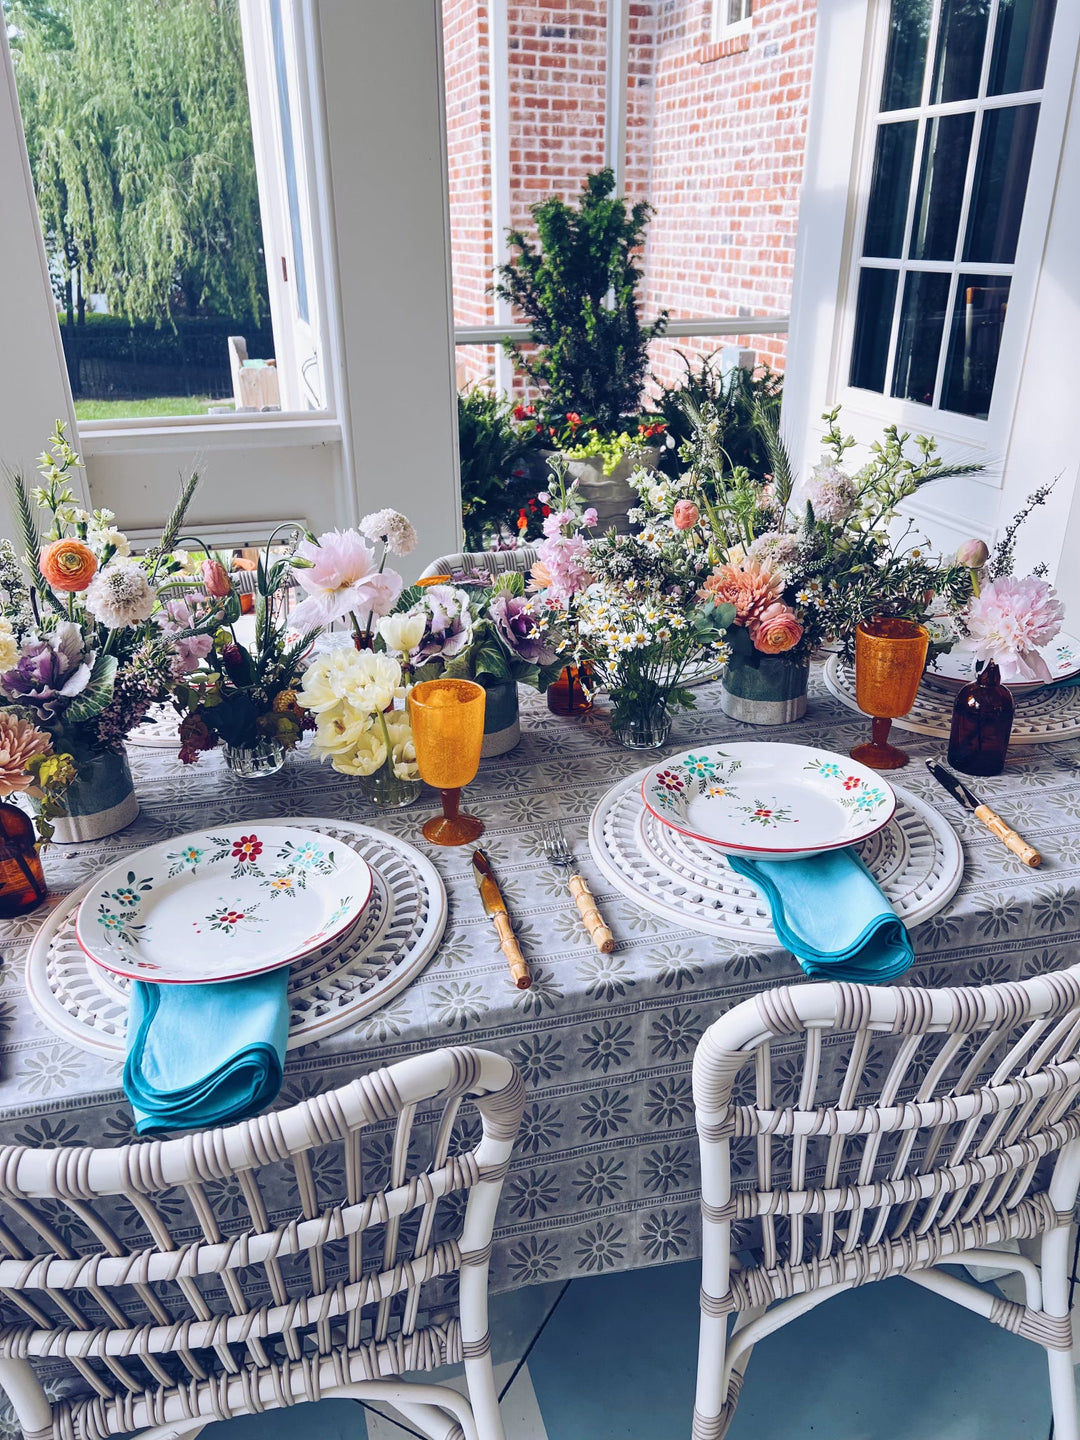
[{"x": 559, "y": 854}]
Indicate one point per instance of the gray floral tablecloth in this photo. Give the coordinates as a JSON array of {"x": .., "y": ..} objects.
[{"x": 605, "y": 1173}]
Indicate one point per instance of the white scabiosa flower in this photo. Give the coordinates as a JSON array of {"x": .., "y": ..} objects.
[
  {"x": 120, "y": 594},
  {"x": 392, "y": 528}
]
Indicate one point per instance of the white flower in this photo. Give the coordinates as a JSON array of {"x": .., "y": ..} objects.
[
  {"x": 402, "y": 633},
  {"x": 120, "y": 594},
  {"x": 101, "y": 539},
  {"x": 392, "y": 528},
  {"x": 9, "y": 649},
  {"x": 347, "y": 685}
]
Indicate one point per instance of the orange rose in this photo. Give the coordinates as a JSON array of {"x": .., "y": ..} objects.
[
  {"x": 776, "y": 630},
  {"x": 68, "y": 565}
]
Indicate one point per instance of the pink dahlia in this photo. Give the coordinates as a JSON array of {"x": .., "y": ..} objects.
[
  {"x": 1009, "y": 623},
  {"x": 751, "y": 587},
  {"x": 343, "y": 579},
  {"x": 19, "y": 743}
]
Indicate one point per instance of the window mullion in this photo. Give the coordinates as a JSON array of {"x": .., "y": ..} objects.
[{"x": 946, "y": 335}]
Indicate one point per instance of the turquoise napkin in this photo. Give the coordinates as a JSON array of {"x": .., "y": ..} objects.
[
  {"x": 828, "y": 911},
  {"x": 201, "y": 1055}
]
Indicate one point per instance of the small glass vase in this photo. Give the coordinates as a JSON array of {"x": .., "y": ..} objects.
[
  {"x": 255, "y": 762},
  {"x": 645, "y": 729},
  {"x": 390, "y": 791}
]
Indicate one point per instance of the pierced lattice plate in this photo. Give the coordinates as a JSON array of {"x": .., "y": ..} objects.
[
  {"x": 917, "y": 860},
  {"x": 1038, "y": 718},
  {"x": 160, "y": 730},
  {"x": 395, "y": 937}
]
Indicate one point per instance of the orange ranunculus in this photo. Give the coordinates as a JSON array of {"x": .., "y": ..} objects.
[
  {"x": 776, "y": 630},
  {"x": 68, "y": 565}
]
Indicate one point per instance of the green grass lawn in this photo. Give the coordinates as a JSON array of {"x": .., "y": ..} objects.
[{"x": 138, "y": 409}]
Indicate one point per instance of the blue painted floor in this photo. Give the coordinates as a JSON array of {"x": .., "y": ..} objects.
[{"x": 612, "y": 1358}]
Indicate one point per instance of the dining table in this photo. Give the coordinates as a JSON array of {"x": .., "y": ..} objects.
[{"x": 604, "y": 1175}]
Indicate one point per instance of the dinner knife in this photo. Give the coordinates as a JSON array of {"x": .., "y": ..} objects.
[
  {"x": 495, "y": 906},
  {"x": 990, "y": 818}
]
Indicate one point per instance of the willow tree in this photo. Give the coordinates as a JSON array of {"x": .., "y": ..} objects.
[{"x": 139, "y": 136}]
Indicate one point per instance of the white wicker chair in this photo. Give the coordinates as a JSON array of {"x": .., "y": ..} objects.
[
  {"x": 496, "y": 562},
  {"x": 950, "y": 1102},
  {"x": 324, "y": 1303}
]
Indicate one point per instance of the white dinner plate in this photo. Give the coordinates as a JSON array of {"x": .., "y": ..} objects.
[
  {"x": 769, "y": 799},
  {"x": 957, "y": 669},
  {"x": 221, "y": 904}
]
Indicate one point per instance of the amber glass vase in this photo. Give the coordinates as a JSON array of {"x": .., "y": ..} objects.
[
  {"x": 890, "y": 656},
  {"x": 447, "y": 718},
  {"x": 981, "y": 725},
  {"x": 571, "y": 693},
  {"x": 22, "y": 881}
]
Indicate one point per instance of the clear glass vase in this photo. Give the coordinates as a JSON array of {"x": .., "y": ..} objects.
[
  {"x": 645, "y": 729},
  {"x": 255, "y": 762},
  {"x": 390, "y": 791}
]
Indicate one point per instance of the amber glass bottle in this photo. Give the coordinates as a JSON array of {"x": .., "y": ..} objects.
[
  {"x": 22, "y": 882},
  {"x": 567, "y": 695},
  {"x": 981, "y": 725}
]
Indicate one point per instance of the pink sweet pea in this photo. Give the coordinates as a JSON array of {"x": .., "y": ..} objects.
[{"x": 343, "y": 579}]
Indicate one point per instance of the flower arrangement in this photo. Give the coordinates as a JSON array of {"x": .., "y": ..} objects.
[
  {"x": 232, "y": 694},
  {"x": 352, "y": 695},
  {"x": 1008, "y": 621},
  {"x": 473, "y": 626},
  {"x": 804, "y": 563},
  {"x": 81, "y": 659}
]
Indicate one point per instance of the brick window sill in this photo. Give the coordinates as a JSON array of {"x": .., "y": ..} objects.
[{"x": 706, "y": 54}]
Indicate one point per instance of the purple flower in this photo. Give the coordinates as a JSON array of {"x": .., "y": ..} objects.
[
  {"x": 449, "y": 624},
  {"x": 516, "y": 623},
  {"x": 49, "y": 671}
]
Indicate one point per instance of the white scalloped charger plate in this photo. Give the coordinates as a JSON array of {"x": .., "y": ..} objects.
[
  {"x": 769, "y": 799},
  {"x": 956, "y": 669},
  {"x": 222, "y": 904}
]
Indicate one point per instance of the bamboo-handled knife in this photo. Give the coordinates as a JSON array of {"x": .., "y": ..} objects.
[
  {"x": 495, "y": 906},
  {"x": 990, "y": 818}
]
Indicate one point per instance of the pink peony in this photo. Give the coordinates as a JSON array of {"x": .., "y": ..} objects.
[
  {"x": 776, "y": 630},
  {"x": 343, "y": 579},
  {"x": 686, "y": 515},
  {"x": 973, "y": 553},
  {"x": 1009, "y": 623}
]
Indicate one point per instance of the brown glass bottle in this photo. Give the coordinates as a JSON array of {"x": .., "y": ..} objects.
[
  {"x": 22, "y": 882},
  {"x": 981, "y": 725},
  {"x": 567, "y": 695}
]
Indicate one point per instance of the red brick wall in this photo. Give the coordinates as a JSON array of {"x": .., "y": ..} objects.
[{"x": 716, "y": 137}]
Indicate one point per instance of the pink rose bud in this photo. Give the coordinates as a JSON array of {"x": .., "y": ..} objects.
[
  {"x": 686, "y": 515},
  {"x": 973, "y": 553},
  {"x": 215, "y": 578}
]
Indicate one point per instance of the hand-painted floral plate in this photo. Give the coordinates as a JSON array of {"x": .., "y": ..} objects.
[
  {"x": 765, "y": 798},
  {"x": 957, "y": 669},
  {"x": 221, "y": 904}
]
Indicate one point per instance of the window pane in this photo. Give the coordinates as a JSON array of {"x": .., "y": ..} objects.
[
  {"x": 887, "y": 212},
  {"x": 974, "y": 343},
  {"x": 905, "y": 62},
  {"x": 873, "y": 324},
  {"x": 961, "y": 41},
  {"x": 918, "y": 341},
  {"x": 941, "y": 187},
  {"x": 1001, "y": 176},
  {"x": 1021, "y": 45},
  {"x": 281, "y": 77}
]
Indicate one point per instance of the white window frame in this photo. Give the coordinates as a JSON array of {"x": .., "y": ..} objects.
[
  {"x": 722, "y": 29},
  {"x": 387, "y": 338},
  {"x": 984, "y": 438}
]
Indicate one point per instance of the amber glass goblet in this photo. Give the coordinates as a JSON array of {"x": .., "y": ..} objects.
[
  {"x": 447, "y": 718},
  {"x": 890, "y": 656}
]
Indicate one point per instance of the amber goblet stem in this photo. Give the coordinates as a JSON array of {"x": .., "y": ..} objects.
[{"x": 451, "y": 827}]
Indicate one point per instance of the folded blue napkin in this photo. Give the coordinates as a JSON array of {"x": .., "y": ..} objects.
[
  {"x": 828, "y": 911},
  {"x": 202, "y": 1055}
]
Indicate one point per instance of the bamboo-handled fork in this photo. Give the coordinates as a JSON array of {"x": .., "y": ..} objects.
[{"x": 558, "y": 853}]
